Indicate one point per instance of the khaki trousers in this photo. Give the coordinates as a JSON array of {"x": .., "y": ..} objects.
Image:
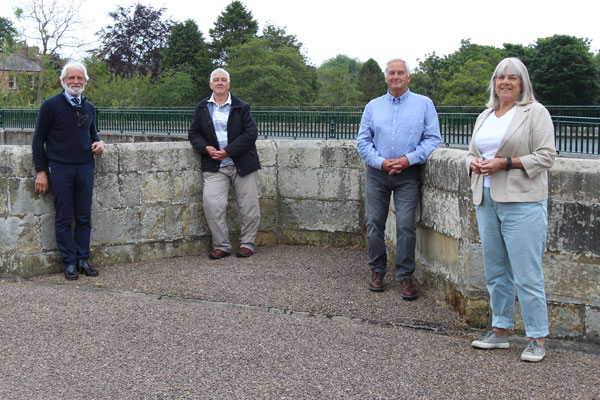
[{"x": 214, "y": 202}]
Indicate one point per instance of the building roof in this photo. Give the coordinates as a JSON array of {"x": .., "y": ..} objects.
[{"x": 15, "y": 62}]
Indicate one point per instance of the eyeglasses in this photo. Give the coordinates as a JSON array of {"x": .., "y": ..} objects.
[{"x": 81, "y": 118}]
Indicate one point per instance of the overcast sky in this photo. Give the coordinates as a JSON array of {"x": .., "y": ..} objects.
[{"x": 383, "y": 29}]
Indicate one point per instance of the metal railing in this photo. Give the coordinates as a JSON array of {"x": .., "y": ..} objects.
[{"x": 576, "y": 130}]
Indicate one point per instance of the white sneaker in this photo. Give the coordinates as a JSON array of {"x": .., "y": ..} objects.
[
  {"x": 534, "y": 352},
  {"x": 491, "y": 340}
]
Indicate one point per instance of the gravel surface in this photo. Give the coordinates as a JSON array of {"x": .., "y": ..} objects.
[{"x": 291, "y": 322}]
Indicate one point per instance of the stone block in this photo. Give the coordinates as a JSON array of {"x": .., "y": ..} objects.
[
  {"x": 574, "y": 227},
  {"x": 314, "y": 215},
  {"x": 592, "y": 324},
  {"x": 581, "y": 285},
  {"x": 130, "y": 188},
  {"x": 268, "y": 215},
  {"x": 299, "y": 153},
  {"x": 159, "y": 156},
  {"x": 192, "y": 181},
  {"x": 179, "y": 248},
  {"x": 321, "y": 238},
  {"x": 20, "y": 235},
  {"x": 445, "y": 169},
  {"x": 16, "y": 161},
  {"x": 107, "y": 191},
  {"x": 24, "y": 200},
  {"x": 575, "y": 180},
  {"x": 152, "y": 223},
  {"x": 267, "y": 152},
  {"x": 267, "y": 182},
  {"x": 108, "y": 162},
  {"x": 162, "y": 187},
  {"x": 116, "y": 227},
  {"x": 113, "y": 254},
  {"x": 184, "y": 221},
  {"x": 341, "y": 154},
  {"x": 440, "y": 210}
]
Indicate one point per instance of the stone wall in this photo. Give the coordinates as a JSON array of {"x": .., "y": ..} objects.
[
  {"x": 15, "y": 136},
  {"x": 147, "y": 204}
]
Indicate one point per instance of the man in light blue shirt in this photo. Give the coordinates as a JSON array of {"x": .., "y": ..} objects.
[{"x": 398, "y": 131}]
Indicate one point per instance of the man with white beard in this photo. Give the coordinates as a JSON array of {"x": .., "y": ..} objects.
[{"x": 64, "y": 144}]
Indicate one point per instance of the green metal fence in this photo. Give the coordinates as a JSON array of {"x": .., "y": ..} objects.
[{"x": 577, "y": 127}]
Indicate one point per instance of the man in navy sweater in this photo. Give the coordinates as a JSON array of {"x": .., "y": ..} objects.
[{"x": 64, "y": 144}]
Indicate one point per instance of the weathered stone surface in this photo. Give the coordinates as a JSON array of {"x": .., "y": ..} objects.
[
  {"x": 107, "y": 191},
  {"x": 267, "y": 152},
  {"x": 19, "y": 235},
  {"x": 16, "y": 161},
  {"x": 298, "y": 153},
  {"x": 574, "y": 227},
  {"x": 440, "y": 210},
  {"x": 592, "y": 324},
  {"x": 341, "y": 154},
  {"x": 116, "y": 227},
  {"x": 23, "y": 198},
  {"x": 575, "y": 180},
  {"x": 320, "y": 216},
  {"x": 4, "y": 195},
  {"x": 162, "y": 187}
]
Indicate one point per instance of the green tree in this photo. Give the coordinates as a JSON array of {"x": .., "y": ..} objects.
[
  {"x": 563, "y": 71},
  {"x": 338, "y": 79},
  {"x": 429, "y": 76},
  {"x": 468, "y": 85},
  {"x": 186, "y": 52},
  {"x": 8, "y": 34},
  {"x": 277, "y": 37},
  {"x": 371, "y": 81},
  {"x": 263, "y": 75},
  {"x": 234, "y": 26},
  {"x": 134, "y": 43}
]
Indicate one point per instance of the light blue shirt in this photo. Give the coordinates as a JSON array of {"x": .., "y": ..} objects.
[
  {"x": 394, "y": 127},
  {"x": 220, "y": 116},
  {"x": 70, "y": 98}
]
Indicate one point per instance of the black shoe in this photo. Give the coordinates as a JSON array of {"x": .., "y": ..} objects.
[
  {"x": 84, "y": 268},
  {"x": 70, "y": 272}
]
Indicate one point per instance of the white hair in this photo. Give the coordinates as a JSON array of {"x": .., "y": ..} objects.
[
  {"x": 219, "y": 71},
  {"x": 398, "y": 59},
  {"x": 514, "y": 66},
  {"x": 73, "y": 65}
]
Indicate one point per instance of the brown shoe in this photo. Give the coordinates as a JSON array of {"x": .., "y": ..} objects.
[
  {"x": 376, "y": 282},
  {"x": 244, "y": 252},
  {"x": 217, "y": 254},
  {"x": 408, "y": 290}
]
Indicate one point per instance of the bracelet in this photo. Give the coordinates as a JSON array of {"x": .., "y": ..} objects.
[{"x": 508, "y": 163}]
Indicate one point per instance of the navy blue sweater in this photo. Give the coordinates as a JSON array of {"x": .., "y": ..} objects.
[{"x": 63, "y": 133}]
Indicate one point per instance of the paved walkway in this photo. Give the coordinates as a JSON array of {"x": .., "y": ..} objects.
[{"x": 291, "y": 322}]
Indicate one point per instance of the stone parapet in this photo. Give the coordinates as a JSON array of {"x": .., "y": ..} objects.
[{"x": 148, "y": 204}]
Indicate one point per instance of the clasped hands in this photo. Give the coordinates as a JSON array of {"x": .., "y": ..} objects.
[
  {"x": 395, "y": 166},
  {"x": 217, "y": 155},
  {"x": 487, "y": 167}
]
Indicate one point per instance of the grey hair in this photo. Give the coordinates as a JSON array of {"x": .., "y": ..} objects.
[
  {"x": 513, "y": 66},
  {"x": 73, "y": 65},
  {"x": 398, "y": 59},
  {"x": 219, "y": 70}
]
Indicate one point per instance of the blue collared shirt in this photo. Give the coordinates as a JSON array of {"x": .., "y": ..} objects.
[
  {"x": 70, "y": 98},
  {"x": 392, "y": 127},
  {"x": 220, "y": 116}
]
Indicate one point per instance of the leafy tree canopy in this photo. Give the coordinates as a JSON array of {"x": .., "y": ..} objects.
[
  {"x": 263, "y": 75},
  {"x": 338, "y": 78},
  {"x": 371, "y": 81},
  {"x": 563, "y": 71},
  {"x": 8, "y": 33},
  {"x": 134, "y": 43},
  {"x": 234, "y": 26}
]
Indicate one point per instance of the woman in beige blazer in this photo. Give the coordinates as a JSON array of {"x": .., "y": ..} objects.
[{"x": 511, "y": 150}]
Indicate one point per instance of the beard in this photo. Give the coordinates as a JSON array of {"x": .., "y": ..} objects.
[{"x": 73, "y": 90}]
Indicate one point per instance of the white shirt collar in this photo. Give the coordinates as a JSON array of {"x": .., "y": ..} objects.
[{"x": 212, "y": 100}]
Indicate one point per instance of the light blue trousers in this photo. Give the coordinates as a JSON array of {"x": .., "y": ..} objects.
[{"x": 514, "y": 239}]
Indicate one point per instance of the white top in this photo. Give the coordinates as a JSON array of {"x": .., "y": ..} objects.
[{"x": 490, "y": 135}]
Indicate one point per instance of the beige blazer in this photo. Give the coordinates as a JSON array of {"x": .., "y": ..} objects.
[{"x": 530, "y": 136}]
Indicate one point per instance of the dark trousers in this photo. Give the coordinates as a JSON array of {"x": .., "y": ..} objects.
[
  {"x": 405, "y": 188},
  {"x": 72, "y": 187}
]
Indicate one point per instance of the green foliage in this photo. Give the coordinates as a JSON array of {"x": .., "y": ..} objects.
[
  {"x": 468, "y": 85},
  {"x": 338, "y": 78},
  {"x": 134, "y": 44},
  {"x": 449, "y": 79},
  {"x": 234, "y": 26},
  {"x": 8, "y": 33},
  {"x": 187, "y": 52},
  {"x": 263, "y": 75},
  {"x": 371, "y": 81},
  {"x": 563, "y": 71},
  {"x": 277, "y": 37}
]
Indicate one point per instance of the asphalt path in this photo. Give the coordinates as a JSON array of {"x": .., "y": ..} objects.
[{"x": 291, "y": 322}]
